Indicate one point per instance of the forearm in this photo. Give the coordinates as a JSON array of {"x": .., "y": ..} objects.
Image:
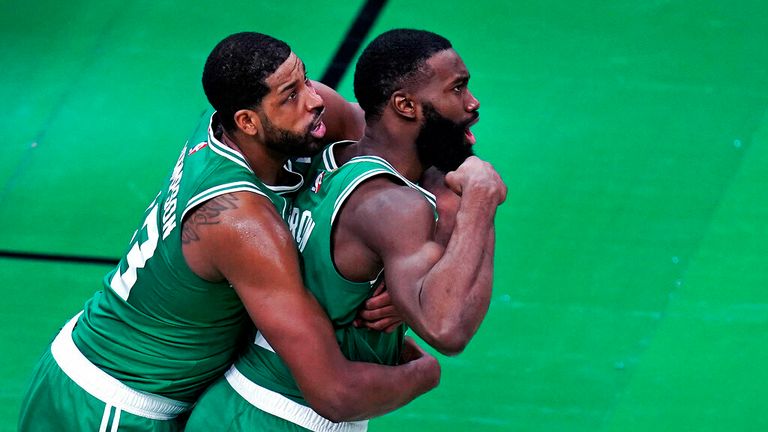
[
  {"x": 479, "y": 298},
  {"x": 455, "y": 292},
  {"x": 290, "y": 318},
  {"x": 340, "y": 389},
  {"x": 371, "y": 390}
]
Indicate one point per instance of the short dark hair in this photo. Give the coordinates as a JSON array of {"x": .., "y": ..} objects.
[
  {"x": 391, "y": 61},
  {"x": 234, "y": 74}
]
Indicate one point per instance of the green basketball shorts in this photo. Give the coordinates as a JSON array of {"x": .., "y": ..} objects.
[
  {"x": 69, "y": 393},
  {"x": 238, "y": 404}
]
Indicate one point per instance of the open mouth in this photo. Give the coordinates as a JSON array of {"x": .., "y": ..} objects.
[
  {"x": 319, "y": 130},
  {"x": 468, "y": 135}
]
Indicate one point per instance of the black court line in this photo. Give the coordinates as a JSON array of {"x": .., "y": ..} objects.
[
  {"x": 352, "y": 42},
  {"x": 332, "y": 77},
  {"x": 58, "y": 258}
]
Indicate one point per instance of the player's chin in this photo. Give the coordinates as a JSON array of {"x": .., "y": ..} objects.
[{"x": 313, "y": 146}]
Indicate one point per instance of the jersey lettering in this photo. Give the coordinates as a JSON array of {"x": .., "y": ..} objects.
[
  {"x": 301, "y": 226},
  {"x": 169, "y": 208}
]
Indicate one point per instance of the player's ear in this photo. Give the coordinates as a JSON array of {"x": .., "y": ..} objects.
[
  {"x": 403, "y": 104},
  {"x": 248, "y": 121}
]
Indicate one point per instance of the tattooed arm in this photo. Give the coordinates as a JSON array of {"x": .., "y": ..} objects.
[
  {"x": 230, "y": 236},
  {"x": 207, "y": 214}
]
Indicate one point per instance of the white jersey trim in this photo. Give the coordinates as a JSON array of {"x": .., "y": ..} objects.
[
  {"x": 329, "y": 161},
  {"x": 330, "y": 164},
  {"x": 262, "y": 342},
  {"x": 105, "y": 388},
  {"x": 352, "y": 186},
  {"x": 280, "y": 406},
  {"x": 235, "y": 156},
  {"x": 428, "y": 195},
  {"x": 387, "y": 169},
  {"x": 219, "y": 149},
  {"x": 222, "y": 150}
]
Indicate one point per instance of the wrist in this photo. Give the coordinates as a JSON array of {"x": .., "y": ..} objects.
[
  {"x": 426, "y": 371},
  {"x": 482, "y": 191},
  {"x": 477, "y": 209}
]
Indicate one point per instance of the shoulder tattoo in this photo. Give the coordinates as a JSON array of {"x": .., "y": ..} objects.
[{"x": 207, "y": 214}]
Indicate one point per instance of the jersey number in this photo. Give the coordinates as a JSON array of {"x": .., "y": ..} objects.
[{"x": 137, "y": 257}]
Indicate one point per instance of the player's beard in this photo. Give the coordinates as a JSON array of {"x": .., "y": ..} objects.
[
  {"x": 441, "y": 142},
  {"x": 290, "y": 143}
]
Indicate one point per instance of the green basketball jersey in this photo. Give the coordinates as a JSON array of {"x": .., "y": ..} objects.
[
  {"x": 156, "y": 326},
  {"x": 315, "y": 210}
]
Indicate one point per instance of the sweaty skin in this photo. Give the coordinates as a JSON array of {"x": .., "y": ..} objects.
[
  {"x": 442, "y": 290},
  {"x": 439, "y": 276},
  {"x": 247, "y": 233}
]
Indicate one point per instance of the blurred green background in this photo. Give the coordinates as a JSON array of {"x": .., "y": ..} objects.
[{"x": 633, "y": 137}]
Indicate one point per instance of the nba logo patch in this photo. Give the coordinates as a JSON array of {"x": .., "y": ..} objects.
[
  {"x": 197, "y": 147},
  {"x": 318, "y": 181}
]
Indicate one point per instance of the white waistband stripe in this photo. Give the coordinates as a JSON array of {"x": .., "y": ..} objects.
[
  {"x": 105, "y": 418},
  {"x": 116, "y": 420},
  {"x": 106, "y": 388},
  {"x": 280, "y": 406}
]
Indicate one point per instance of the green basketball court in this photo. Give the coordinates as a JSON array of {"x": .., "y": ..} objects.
[{"x": 633, "y": 136}]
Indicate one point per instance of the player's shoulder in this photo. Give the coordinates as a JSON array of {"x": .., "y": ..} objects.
[
  {"x": 389, "y": 197},
  {"x": 251, "y": 205},
  {"x": 236, "y": 210}
]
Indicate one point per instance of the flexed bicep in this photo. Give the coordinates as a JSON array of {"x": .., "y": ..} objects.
[{"x": 252, "y": 248}]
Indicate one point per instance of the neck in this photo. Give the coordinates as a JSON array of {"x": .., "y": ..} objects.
[
  {"x": 395, "y": 142},
  {"x": 265, "y": 163}
]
